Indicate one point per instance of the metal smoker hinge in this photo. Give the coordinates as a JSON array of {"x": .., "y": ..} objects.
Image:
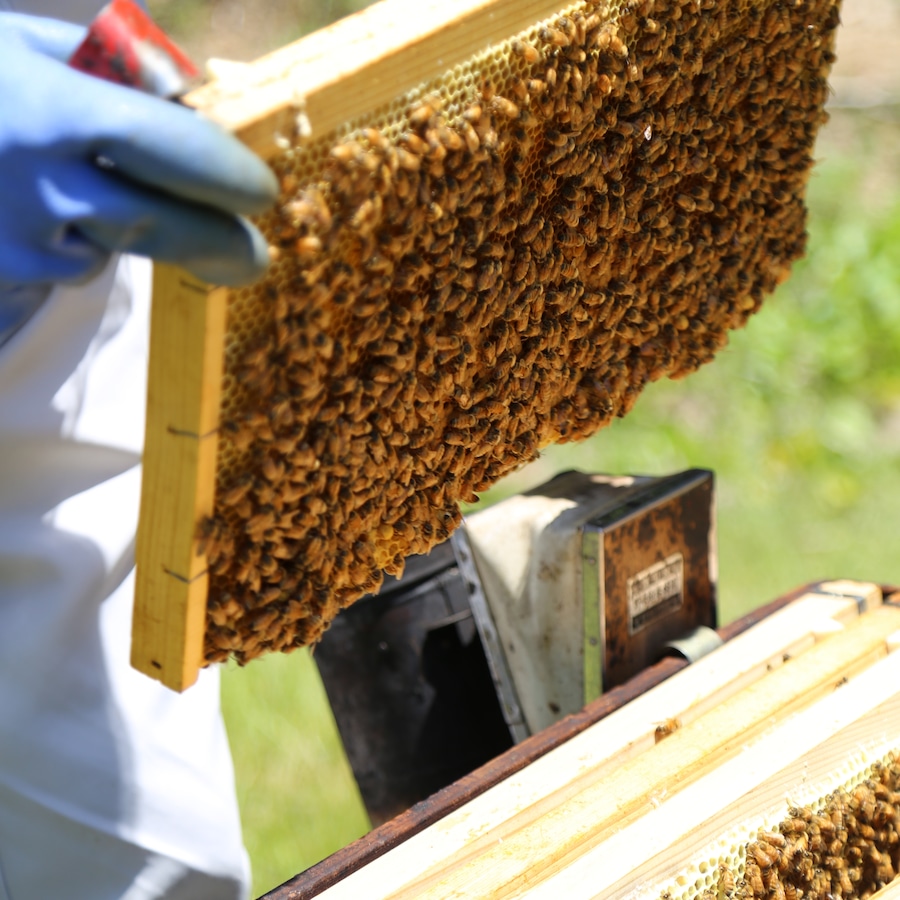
[
  {"x": 490, "y": 639},
  {"x": 693, "y": 644}
]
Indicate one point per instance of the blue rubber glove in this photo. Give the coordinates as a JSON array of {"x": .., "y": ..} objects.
[{"x": 88, "y": 168}]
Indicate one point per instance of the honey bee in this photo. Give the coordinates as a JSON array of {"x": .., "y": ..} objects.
[
  {"x": 550, "y": 77},
  {"x": 414, "y": 143},
  {"x": 347, "y": 153},
  {"x": 309, "y": 245},
  {"x": 776, "y": 889},
  {"x": 536, "y": 87},
  {"x": 530, "y": 230},
  {"x": 425, "y": 111},
  {"x": 527, "y": 51},
  {"x": 554, "y": 36},
  {"x": 505, "y": 107},
  {"x": 725, "y": 880},
  {"x": 664, "y": 729},
  {"x": 273, "y": 469},
  {"x": 753, "y": 877},
  {"x": 237, "y": 492}
]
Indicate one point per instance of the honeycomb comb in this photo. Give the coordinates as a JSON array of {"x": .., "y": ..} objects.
[{"x": 499, "y": 221}]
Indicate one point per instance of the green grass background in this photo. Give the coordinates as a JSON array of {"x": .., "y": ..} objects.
[{"x": 799, "y": 417}]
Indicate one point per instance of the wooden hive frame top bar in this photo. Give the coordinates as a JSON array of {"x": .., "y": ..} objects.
[
  {"x": 499, "y": 221},
  {"x": 358, "y": 64}
]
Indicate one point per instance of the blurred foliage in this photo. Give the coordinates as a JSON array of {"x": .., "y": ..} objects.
[{"x": 235, "y": 29}]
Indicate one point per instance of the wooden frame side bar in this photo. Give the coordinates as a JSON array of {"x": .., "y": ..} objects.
[
  {"x": 187, "y": 328},
  {"x": 358, "y": 64}
]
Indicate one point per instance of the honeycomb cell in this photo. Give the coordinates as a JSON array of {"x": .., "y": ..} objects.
[{"x": 843, "y": 845}]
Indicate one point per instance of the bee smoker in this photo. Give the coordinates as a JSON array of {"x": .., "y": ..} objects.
[{"x": 533, "y": 608}]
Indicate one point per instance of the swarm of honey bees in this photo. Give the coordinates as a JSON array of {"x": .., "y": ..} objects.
[
  {"x": 497, "y": 261},
  {"x": 846, "y": 848}
]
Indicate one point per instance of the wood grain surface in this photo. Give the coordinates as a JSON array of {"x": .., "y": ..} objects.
[
  {"x": 187, "y": 330},
  {"x": 358, "y": 64}
]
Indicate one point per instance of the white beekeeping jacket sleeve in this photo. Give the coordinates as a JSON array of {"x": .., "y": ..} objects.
[
  {"x": 92, "y": 753},
  {"x": 111, "y": 786}
]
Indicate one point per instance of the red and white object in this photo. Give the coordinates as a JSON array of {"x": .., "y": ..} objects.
[{"x": 125, "y": 46}]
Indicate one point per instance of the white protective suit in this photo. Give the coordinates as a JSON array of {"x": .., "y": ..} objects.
[{"x": 111, "y": 786}]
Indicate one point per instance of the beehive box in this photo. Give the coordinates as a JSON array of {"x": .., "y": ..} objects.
[
  {"x": 768, "y": 768},
  {"x": 499, "y": 221}
]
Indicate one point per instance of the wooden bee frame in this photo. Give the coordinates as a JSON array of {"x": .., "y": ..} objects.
[{"x": 594, "y": 251}]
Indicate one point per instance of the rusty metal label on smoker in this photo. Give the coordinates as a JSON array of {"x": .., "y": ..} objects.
[{"x": 655, "y": 591}]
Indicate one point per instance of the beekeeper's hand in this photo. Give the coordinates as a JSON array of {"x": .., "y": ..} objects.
[{"x": 88, "y": 168}]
